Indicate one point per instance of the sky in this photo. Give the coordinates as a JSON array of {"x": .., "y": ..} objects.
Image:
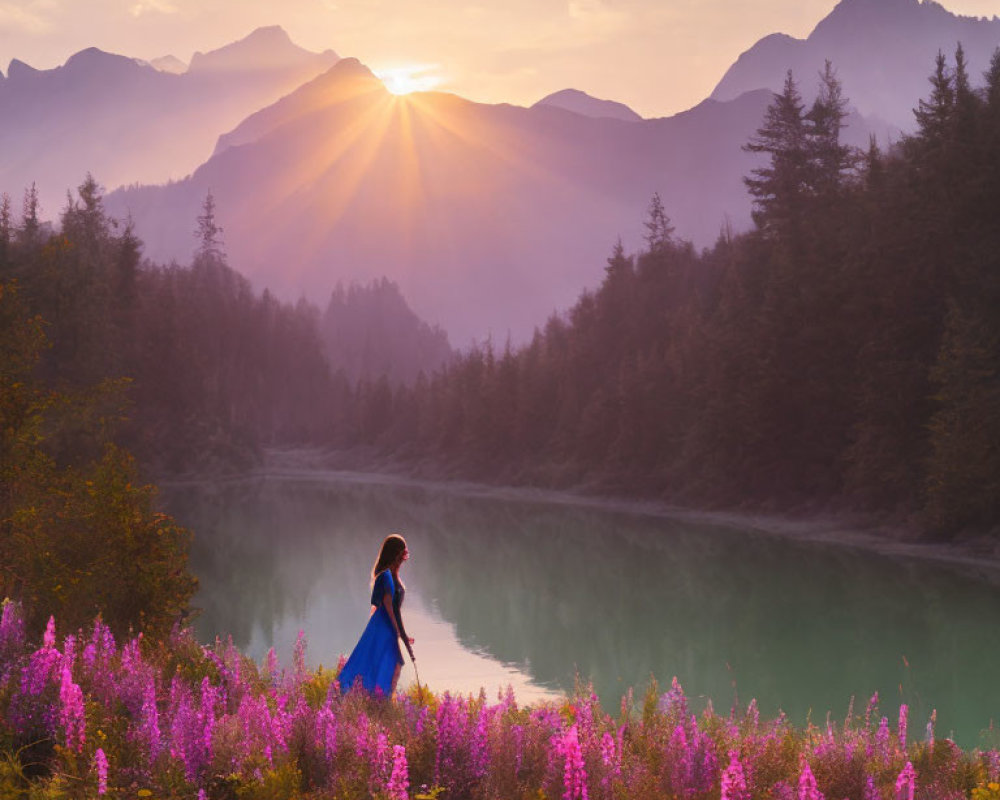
[{"x": 657, "y": 56}]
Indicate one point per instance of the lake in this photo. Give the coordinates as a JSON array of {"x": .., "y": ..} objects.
[{"x": 535, "y": 593}]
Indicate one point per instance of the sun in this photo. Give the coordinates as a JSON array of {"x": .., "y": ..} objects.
[{"x": 409, "y": 78}]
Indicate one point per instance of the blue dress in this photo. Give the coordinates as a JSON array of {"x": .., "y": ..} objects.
[{"x": 377, "y": 652}]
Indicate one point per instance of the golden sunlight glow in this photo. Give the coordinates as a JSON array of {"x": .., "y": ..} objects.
[{"x": 409, "y": 78}]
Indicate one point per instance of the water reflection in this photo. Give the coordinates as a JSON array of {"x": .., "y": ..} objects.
[{"x": 557, "y": 590}]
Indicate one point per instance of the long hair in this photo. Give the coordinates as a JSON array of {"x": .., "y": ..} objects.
[{"x": 393, "y": 545}]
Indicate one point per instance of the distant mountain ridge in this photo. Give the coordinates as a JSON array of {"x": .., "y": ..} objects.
[
  {"x": 488, "y": 217},
  {"x": 883, "y": 51},
  {"x": 582, "y": 103},
  {"x": 124, "y": 120}
]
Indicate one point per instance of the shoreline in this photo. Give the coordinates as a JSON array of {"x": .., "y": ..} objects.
[{"x": 981, "y": 554}]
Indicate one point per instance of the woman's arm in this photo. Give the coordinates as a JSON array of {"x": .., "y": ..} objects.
[{"x": 387, "y": 603}]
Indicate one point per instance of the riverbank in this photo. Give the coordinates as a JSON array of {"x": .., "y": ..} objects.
[{"x": 979, "y": 555}]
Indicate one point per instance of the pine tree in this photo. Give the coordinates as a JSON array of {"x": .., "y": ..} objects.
[
  {"x": 30, "y": 230},
  {"x": 829, "y": 157},
  {"x": 935, "y": 114},
  {"x": 779, "y": 186},
  {"x": 6, "y": 233},
  {"x": 659, "y": 231},
  {"x": 209, "y": 235}
]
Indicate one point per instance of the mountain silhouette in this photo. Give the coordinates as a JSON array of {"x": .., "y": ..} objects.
[
  {"x": 883, "y": 52},
  {"x": 170, "y": 64},
  {"x": 582, "y": 103},
  {"x": 488, "y": 217},
  {"x": 125, "y": 121}
]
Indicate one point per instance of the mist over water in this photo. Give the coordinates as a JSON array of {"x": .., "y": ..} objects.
[{"x": 533, "y": 593}]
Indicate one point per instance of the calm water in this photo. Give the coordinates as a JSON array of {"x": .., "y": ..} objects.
[{"x": 534, "y": 593}]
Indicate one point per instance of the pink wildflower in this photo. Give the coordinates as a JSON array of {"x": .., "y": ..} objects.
[
  {"x": 101, "y": 766},
  {"x": 734, "y": 784},
  {"x": 807, "y": 784},
  {"x": 207, "y": 716},
  {"x": 882, "y": 740},
  {"x": 150, "y": 719},
  {"x": 72, "y": 714},
  {"x": 326, "y": 732},
  {"x": 870, "y": 709},
  {"x": 906, "y": 783},
  {"x": 871, "y": 790},
  {"x": 399, "y": 781},
  {"x": 612, "y": 768},
  {"x": 574, "y": 771},
  {"x": 903, "y": 713},
  {"x": 380, "y": 761}
]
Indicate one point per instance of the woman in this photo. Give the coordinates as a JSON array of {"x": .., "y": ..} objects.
[{"x": 376, "y": 659}]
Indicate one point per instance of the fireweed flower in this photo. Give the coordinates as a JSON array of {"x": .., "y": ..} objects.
[
  {"x": 326, "y": 732},
  {"x": 361, "y": 738},
  {"x": 479, "y": 750},
  {"x": 574, "y": 770},
  {"x": 903, "y": 713},
  {"x": 674, "y": 701},
  {"x": 734, "y": 784},
  {"x": 682, "y": 757},
  {"x": 379, "y": 765},
  {"x": 452, "y": 722},
  {"x": 72, "y": 715},
  {"x": 882, "y": 740},
  {"x": 42, "y": 664},
  {"x": 906, "y": 783},
  {"x": 871, "y": 791},
  {"x": 870, "y": 709},
  {"x": 518, "y": 733},
  {"x": 207, "y": 716},
  {"x": 399, "y": 781},
  {"x": 101, "y": 767},
  {"x": 149, "y": 720},
  {"x": 807, "y": 784}
]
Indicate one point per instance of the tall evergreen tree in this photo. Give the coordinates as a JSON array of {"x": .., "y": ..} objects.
[
  {"x": 208, "y": 235},
  {"x": 778, "y": 187}
]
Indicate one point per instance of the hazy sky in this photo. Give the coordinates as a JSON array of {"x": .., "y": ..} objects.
[{"x": 659, "y": 56}]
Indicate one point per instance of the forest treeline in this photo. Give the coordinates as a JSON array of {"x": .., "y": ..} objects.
[
  {"x": 215, "y": 370},
  {"x": 845, "y": 352},
  {"x": 104, "y": 355}
]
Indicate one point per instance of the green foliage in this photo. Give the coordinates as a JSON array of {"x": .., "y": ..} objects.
[{"x": 80, "y": 535}]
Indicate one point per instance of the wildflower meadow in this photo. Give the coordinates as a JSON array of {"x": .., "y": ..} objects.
[{"x": 83, "y": 716}]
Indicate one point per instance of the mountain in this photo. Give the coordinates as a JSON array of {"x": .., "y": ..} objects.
[
  {"x": 126, "y": 121},
  {"x": 582, "y": 103},
  {"x": 267, "y": 49},
  {"x": 170, "y": 64},
  {"x": 883, "y": 51},
  {"x": 488, "y": 217}
]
